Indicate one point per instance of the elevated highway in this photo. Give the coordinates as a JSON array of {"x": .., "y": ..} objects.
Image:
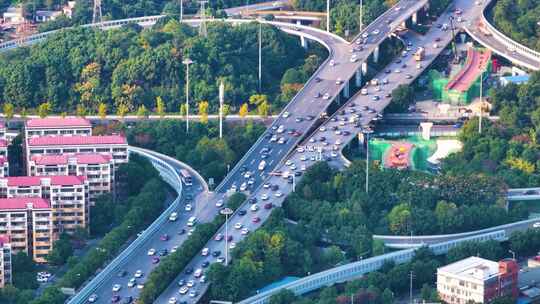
[{"x": 481, "y": 30}]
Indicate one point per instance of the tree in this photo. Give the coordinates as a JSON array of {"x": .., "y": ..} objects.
[
  {"x": 284, "y": 296},
  {"x": 160, "y": 107},
  {"x": 399, "y": 218},
  {"x": 9, "y": 110},
  {"x": 387, "y": 296},
  {"x": 44, "y": 109},
  {"x": 142, "y": 112},
  {"x": 61, "y": 251},
  {"x": 203, "y": 111},
  {"x": 226, "y": 110},
  {"x": 102, "y": 110},
  {"x": 183, "y": 109},
  {"x": 262, "y": 109},
  {"x": 122, "y": 110},
  {"x": 258, "y": 99},
  {"x": 402, "y": 98},
  {"x": 81, "y": 110},
  {"x": 243, "y": 112}
]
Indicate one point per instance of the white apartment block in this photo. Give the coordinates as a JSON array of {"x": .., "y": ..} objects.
[
  {"x": 68, "y": 197},
  {"x": 113, "y": 145},
  {"x": 97, "y": 168},
  {"x": 5, "y": 260},
  {"x": 57, "y": 127},
  {"x": 28, "y": 223}
]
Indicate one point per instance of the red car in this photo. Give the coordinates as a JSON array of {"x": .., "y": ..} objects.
[
  {"x": 164, "y": 237},
  {"x": 268, "y": 206},
  {"x": 256, "y": 219}
]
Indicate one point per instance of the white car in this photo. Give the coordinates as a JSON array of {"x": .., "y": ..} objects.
[
  {"x": 286, "y": 114},
  {"x": 174, "y": 249},
  {"x": 151, "y": 251},
  {"x": 322, "y": 129},
  {"x": 375, "y": 32},
  {"x": 536, "y": 225},
  {"x": 303, "y": 158},
  {"x": 190, "y": 283},
  {"x": 245, "y": 231},
  {"x": 247, "y": 174},
  {"x": 138, "y": 274},
  {"x": 172, "y": 300},
  {"x": 303, "y": 168},
  {"x": 188, "y": 207},
  {"x": 339, "y": 81},
  {"x": 332, "y": 63},
  {"x": 93, "y": 298},
  {"x": 326, "y": 96},
  {"x": 264, "y": 197},
  {"x": 140, "y": 286},
  {"x": 288, "y": 162},
  {"x": 278, "y": 194},
  {"x": 238, "y": 226},
  {"x": 183, "y": 290},
  {"x": 173, "y": 216},
  {"x": 243, "y": 187},
  {"x": 232, "y": 245},
  {"x": 219, "y": 203},
  {"x": 266, "y": 185},
  {"x": 354, "y": 58},
  {"x": 300, "y": 150},
  {"x": 365, "y": 35},
  {"x": 116, "y": 287},
  {"x": 131, "y": 283}
]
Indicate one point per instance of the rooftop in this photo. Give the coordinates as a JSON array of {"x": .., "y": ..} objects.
[
  {"x": 63, "y": 159},
  {"x": 23, "y": 203},
  {"x": 472, "y": 268},
  {"x": 76, "y": 140},
  {"x": 57, "y": 180},
  {"x": 58, "y": 122}
]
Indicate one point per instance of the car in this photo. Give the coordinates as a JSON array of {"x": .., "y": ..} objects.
[
  {"x": 189, "y": 270},
  {"x": 190, "y": 232},
  {"x": 530, "y": 192},
  {"x": 122, "y": 273},
  {"x": 238, "y": 226},
  {"x": 437, "y": 39},
  {"x": 127, "y": 300},
  {"x": 181, "y": 283},
  {"x": 218, "y": 237},
  {"x": 132, "y": 282},
  {"x": 286, "y": 114},
  {"x": 174, "y": 249},
  {"x": 244, "y": 231},
  {"x": 388, "y": 71},
  {"x": 365, "y": 35},
  {"x": 264, "y": 197},
  {"x": 188, "y": 207},
  {"x": 164, "y": 237},
  {"x": 408, "y": 76},
  {"x": 151, "y": 251},
  {"x": 279, "y": 194},
  {"x": 536, "y": 225},
  {"x": 202, "y": 279},
  {"x": 317, "y": 95},
  {"x": 398, "y": 61},
  {"x": 354, "y": 58},
  {"x": 115, "y": 299},
  {"x": 182, "y": 231},
  {"x": 375, "y": 32},
  {"x": 193, "y": 294},
  {"x": 93, "y": 298},
  {"x": 220, "y": 259},
  {"x": 138, "y": 274},
  {"x": 183, "y": 290},
  {"x": 190, "y": 283},
  {"x": 385, "y": 81},
  {"x": 205, "y": 264},
  {"x": 116, "y": 287},
  {"x": 205, "y": 251},
  {"x": 173, "y": 216},
  {"x": 172, "y": 300},
  {"x": 256, "y": 219},
  {"x": 326, "y": 96},
  {"x": 268, "y": 206},
  {"x": 298, "y": 119},
  {"x": 276, "y": 187},
  {"x": 317, "y": 79},
  {"x": 375, "y": 98},
  {"x": 332, "y": 62},
  {"x": 229, "y": 238},
  {"x": 397, "y": 71},
  {"x": 242, "y": 212},
  {"x": 232, "y": 245},
  {"x": 404, "y": 66}
]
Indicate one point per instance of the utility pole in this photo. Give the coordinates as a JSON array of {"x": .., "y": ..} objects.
[
  {"x": 328, "y": 16},
  {"x": 360, "y": 25},
  {"x": 221, "y": 97},
  {"x": 410, "y": 287},
  {"x": 181, "y": 10},
  {"x": 366, "y": 132},
  {"x": 202, "y": 14},
  {"x": 260, "y": 57},
  {"x": 187, "y": 62},
  {"x": 226, "y": 212},
  {"x": 481, "y": 103},
  {"x": 96, "y": 17}
]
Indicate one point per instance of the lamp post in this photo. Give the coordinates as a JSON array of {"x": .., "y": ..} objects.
[
  {"x": 366, "y": 131},
  {"x": 328, "y": 16},
  {"x": 260, "y": 57},
  {"x": 481, "y": 103},
  {"x": 226, "y": 211},
  {"x": 181, "y": 10},
  {"x": 361, "y": 10},
  {"x": 187, "y": 62}
]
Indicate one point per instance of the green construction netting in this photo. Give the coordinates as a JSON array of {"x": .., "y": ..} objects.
[{"x": 422, "y": 151}]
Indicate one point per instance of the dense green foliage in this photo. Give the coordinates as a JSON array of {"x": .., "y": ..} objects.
[
  {"x": 508, "y": 148},
  {"x": 402, "y": 98},
  {"x": 141, "y": 207},
  {"x": 518, "y": 19},
  {"x": 201, "y": 148},
  {"x": 341, "y": 218},
  {"x": 130, "y": 67}
]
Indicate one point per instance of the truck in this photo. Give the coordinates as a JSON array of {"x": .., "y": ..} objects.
[{"x": 419, "y": 55}]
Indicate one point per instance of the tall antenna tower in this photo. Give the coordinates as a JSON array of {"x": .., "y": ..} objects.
[
  {"x": 202, "y": 14},
  {"x": 96, "y": 17}
]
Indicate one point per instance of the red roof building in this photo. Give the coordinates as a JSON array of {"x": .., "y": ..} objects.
[{"x": 58, "y": 122}]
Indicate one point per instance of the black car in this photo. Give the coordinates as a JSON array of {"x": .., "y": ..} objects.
[
  {"x": 252, "y": 200},
  {"x": 163, "y": 252},
  {"x": 182, "y": 231},
  {"x": 297, "y": 173},
  {"x": 268, "y": 135},
  {"x": 121, "y": 273},
  {"x": 216, "y": 253},
  {"x": 398, "y": 61},
  {"x": 317, "y": 79},
  {"x": 127, "y": 300},
  {"x": 346, "y": 133},
  {"x": 274, "y": 187},
  {"x": 205, "y": 264},
  {"x": 242, "y": 212},
  {"x": 189, "y": 270}
]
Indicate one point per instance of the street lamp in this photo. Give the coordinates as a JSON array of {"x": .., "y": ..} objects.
[
  {"x": 226, "y": 211},
  {"x": 328, "y": 16},
  {"x": 366, "y": 131},
  {"x": 187, "y": 62}
]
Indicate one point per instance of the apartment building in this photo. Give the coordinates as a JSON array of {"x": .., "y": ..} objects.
[
  {"x": 5, "y": 260},
  {"x": 478, "y": 280},
  {"x": 114, "y": 145},
  {"x": 67, "y": 195},
  {"x": 97, "y": 168},
  {"x": 3, "y": 147},
  {"x": 4, "y": 166},
  {"x": 57, "y": 127},
  {"x": 28, "y": 221}
]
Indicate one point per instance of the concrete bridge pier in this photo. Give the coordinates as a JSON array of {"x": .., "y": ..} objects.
[
  {"x": 463, "y": 37},
  {"x": 346, "y": 90},
  {"x": 364, "y": 68},
  {"x": 304, "y": 42},
  {"x": 415, "y": 18},
  {"x": 426, "y": 130},
  {"x": 376, "y": 55},
  {"x": 358, "y": 78}
]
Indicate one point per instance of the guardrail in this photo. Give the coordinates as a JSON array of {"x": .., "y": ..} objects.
[
  {"x": 357, "y": 269},
  {"x": 171, "y": 176}
]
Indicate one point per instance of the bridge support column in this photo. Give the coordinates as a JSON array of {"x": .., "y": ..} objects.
[
  {"x": 463, "y": 37},
  {"x": 426, "y": 130},
  {"x": 415, "y": 18},
  {"x": 304, "y": 42},
  {"x": 404, "y": 24},
  {"x": 358, "y": 78},
  {"x": 346, "y": 90},
  {"x": 364, "y": 68},
  {"x": 376, "y": 55}
]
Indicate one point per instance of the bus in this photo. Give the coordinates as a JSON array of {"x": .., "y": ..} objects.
[{"x": 186, "y": 177}]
